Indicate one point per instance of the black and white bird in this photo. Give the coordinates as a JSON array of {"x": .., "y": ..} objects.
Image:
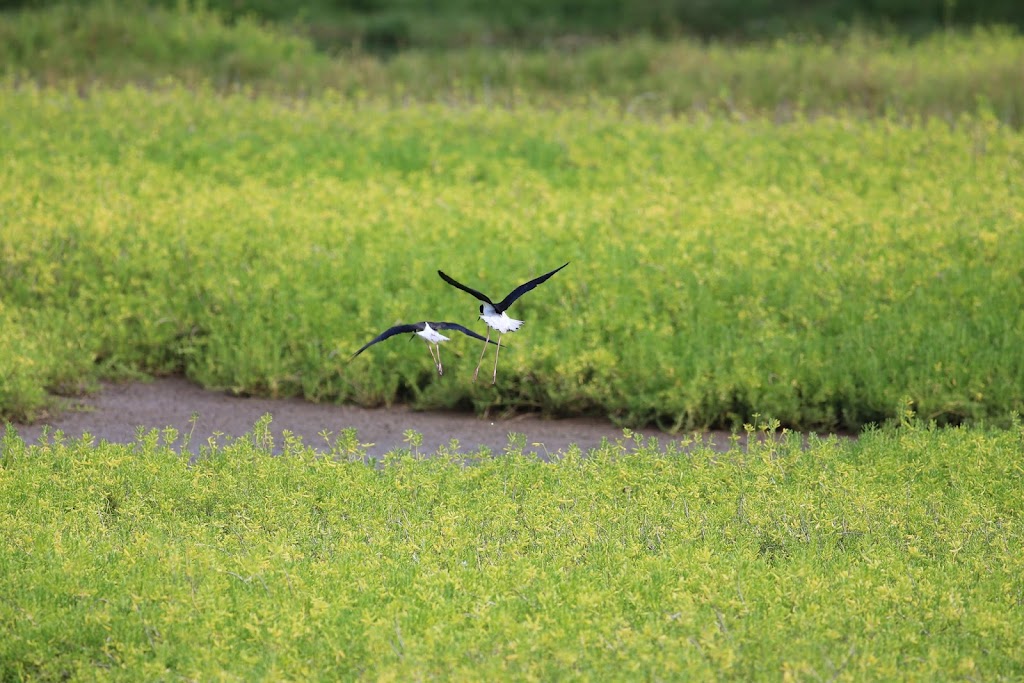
[
  {"x": 429, "y": 332},
  {"x": 494, "y": 313}
]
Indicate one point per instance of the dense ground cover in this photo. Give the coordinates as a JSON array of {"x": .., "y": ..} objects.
[
  {"x": 828, "y": 232},
  {"x": 819, "y": 271},
  {"x": 943, "y": 75},
  {"x": 892, "y": 557},
  {"x": 386, "y": 25}
]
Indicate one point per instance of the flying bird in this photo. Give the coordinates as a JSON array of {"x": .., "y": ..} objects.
[
  {"x": 494, "y": 313},
  {"x": 429, "y": 332}
]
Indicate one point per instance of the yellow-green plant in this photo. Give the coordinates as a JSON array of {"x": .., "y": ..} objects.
[
  {"x": 816, "y": 271},
  {"x": 889, "y": 557}
]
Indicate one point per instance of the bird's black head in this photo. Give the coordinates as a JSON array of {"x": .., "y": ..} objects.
[{"x": 481, "y": 309}]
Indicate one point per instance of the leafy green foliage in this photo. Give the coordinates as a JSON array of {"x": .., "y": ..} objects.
[
  {"x": 817, "y": 271},
  {"x": 395, "y": 24},
  {"x": 943, "y": 75},
  {"x": 893, "y": 556}
]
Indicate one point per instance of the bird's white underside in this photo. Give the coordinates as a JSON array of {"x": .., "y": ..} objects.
[
  {"x": 432, "y": 335},
  {"x": 500, "y": 321}
]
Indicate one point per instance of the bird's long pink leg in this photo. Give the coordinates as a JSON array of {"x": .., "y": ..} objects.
[
  {"x": 486, "y": 341},
  {"x": 437, "y": 359},
  {"x": 494, "y": 377},
  {"x": 440, "y": 370}
]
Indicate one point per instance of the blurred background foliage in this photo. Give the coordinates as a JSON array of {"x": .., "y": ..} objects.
[{"x": 387, "y": 25}]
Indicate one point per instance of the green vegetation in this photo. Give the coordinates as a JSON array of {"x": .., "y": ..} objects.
[
  {"x": 825, "y": 230},
  {"x": 944, "y": 75},
  {"x": 818, "y": 272},
  {"x": 896, "y": 556},
  {"x": 396, "y": 24}
]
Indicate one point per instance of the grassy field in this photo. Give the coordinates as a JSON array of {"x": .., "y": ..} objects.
[
  {"x": 389, "y": 25},
  {"x": 826, "y": 232},
  {"x": 820, "y": 271},
  {"x": 943, "y": 75},
  {"x": 893, "y": 557}
]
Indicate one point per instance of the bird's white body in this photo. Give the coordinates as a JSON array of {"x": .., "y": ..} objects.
[
  {"x": 493, "y": 314},
  {"x": 432, "y": 335},
  {"x": 428, "y": 332},
  {"x": 499, "y": 321}
]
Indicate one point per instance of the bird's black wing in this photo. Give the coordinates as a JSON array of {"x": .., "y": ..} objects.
[
  {"x": 523, "y": 289},
  {"x": 390, "y": 332},
  {"x": 464, "y": 288},
  {"x": 463, "y": 330}
]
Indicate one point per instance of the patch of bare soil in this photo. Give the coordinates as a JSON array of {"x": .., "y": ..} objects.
[{"x": 118, "y": 410}]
